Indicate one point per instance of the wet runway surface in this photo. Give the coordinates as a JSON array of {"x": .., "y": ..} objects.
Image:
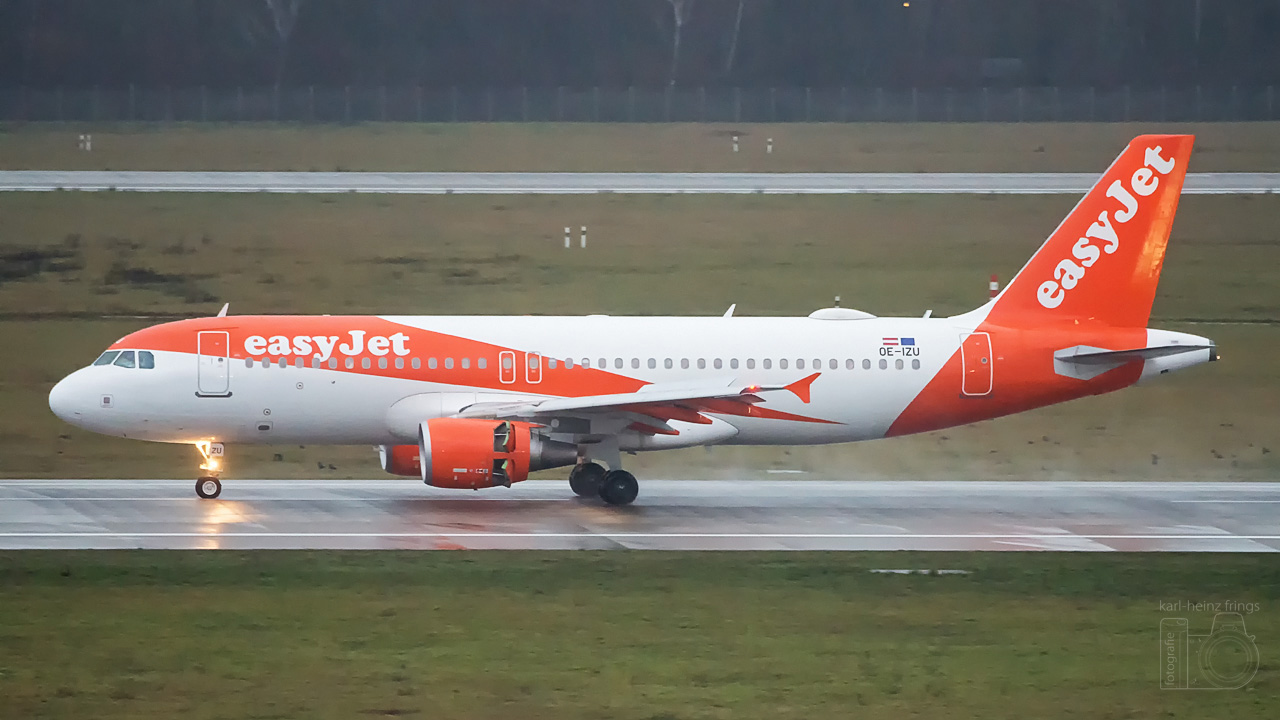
[{"x": 669, "y": 515}]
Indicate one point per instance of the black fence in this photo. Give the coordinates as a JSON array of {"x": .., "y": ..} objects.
[{"x": 413, "y": 104}]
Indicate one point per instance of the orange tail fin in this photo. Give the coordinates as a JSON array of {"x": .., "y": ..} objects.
[{"x": 1103, "y": 262}]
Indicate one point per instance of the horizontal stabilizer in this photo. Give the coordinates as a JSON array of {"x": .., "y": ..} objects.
[{"x": 1085, "y": 362}]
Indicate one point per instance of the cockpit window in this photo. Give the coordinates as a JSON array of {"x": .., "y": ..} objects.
[
  {"x": 107, "y": 357},
  {"x": 146, "y": 360},
  {"x": 125, "y": 360}
]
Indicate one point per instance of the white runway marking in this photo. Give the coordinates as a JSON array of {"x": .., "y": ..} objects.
[
  {"x": 518, "y": 183},
  {"x": 1219, "y": 502}
]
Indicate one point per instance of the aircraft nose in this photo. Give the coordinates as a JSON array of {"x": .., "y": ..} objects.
[{"x": 65, "y": 401}]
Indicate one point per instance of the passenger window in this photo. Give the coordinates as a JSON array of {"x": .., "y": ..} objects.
[
  {"x": 668, "y": 364},
  {"x": 333, "y": 363},
  {"x": 448, "y": 363},
  {"x": 782, "y": 364},
  {"x": 533, "y": 362},
  {"x": 248, "y": 362},
  {"x": 568, "y": 363},
  {"x": 800, "y": 364},
  {"x": 866, "y": 364},
  {"x": 653, "y": 364},
  {"x": 718, "y": 363},
  {"x": 364, "y": 363},
  {"x": 897, "y": 364},
  {"x": 766, "y": 363},
  {"x": 883, "y": 363},
  {"x": 684, "y": 363},
  {"x": 617, "y": 363},
  {"x": 107, "y": 357},
  {"x": 351, "y": 363},
  {"x": 416, "y": 364},
  {"x": 315, "y": 363},
  {"x": 586, "y": 363},
  {"x": 833, "y": 364},
  {"x": 817, "y": 364},
  {"x": 283, "y": 362},
  {"x": 466, "y": 363},
  {"x": 482, "y": 363},
  {"x": 702, "y": 363},
  {"x": 431, "y": 363},
  {"x": 848, "y": 364},
  {"x": 635, "y": 363},
  {"x": 266, "y": 362},
  {"x": 146, "y": 360},
  {"x": 399, "y": 363},
  {"x": 125, "y": 360},
  {"x": 382, "y": 363},
  {"x": 751, "y": 363},
  {"x": 551, "y": 363},
  {"x": 733, "y": 364},
  {"x": 508, "y": 363},
  {"x": 915, "y": 364},
  {"x": 299, "y": 363}
]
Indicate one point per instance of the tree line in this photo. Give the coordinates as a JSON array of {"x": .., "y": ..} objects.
[{"x": 642, "y": 43}]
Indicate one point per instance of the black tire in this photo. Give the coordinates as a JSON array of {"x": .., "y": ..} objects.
[
  {"x": 619, "y": 487},
  {"x": 585, "y": 479},
  {"x": 208, "y": 487}
]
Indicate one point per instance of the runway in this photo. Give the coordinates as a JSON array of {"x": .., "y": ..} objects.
[
  {"x": 669, "y": 515},
  {"x": 464, "y": 183}
]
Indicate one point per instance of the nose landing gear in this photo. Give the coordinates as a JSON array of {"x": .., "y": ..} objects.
[{"x": 208, "y": 486}]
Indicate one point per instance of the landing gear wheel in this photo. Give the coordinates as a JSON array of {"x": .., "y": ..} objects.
[
  {"x": 619, "y": 487},
  {"x": 208, "y": 487},
  {"x": 585, "y": 479}
]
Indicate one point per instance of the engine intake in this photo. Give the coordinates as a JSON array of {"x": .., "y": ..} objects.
[{"x": 467, "y": 453}]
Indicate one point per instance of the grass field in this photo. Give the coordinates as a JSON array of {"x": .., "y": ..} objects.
[
  {"x": 124, "y": 253},
  {"x": 614, "y": 635},
  {"x": 69, "y": 255},
  {"x": 959, "y": 147}
]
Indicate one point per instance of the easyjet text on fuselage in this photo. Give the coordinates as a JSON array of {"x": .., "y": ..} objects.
[{"x": 323, "y": 347}]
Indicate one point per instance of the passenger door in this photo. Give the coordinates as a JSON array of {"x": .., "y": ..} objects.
[
  {"x": 213, "y": 377},
  {"x": 975, "y": 357}
]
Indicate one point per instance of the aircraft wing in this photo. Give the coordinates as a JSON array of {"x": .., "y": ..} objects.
[{"x": 649, "y": 408}]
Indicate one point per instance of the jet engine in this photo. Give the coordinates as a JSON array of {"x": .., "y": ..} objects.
[
  {"x": 400, "y": 460},
  {"x": 467, "y": 453}
]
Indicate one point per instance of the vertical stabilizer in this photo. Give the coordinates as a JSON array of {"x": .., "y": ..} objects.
[{"x": 1103, "y": 262}]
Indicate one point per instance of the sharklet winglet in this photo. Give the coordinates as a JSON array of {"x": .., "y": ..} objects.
[{"x": 800, "y": 388}]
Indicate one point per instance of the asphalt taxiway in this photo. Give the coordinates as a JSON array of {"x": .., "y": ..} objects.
[
  {"x": 535, "y": 183},
  {"x": 669, "y": 515}
]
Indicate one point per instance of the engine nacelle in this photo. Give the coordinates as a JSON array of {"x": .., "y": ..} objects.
[
  {"x": 400, "y": 460},
  {"x": 467, "y": 453}
]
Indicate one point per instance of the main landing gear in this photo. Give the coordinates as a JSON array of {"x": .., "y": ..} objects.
[
  {"x": 208, "y": 486},
  {"x": 615, "y": 487}
]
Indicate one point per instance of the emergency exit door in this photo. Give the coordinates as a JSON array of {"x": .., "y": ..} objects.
[
  {"x": 975, "y": 364},
  {"x": 506, "y": 367},
  {"x": 533, "y": 368}
]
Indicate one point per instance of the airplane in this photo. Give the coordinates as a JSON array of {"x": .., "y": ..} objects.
[{"x": 476, "y": 402}]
